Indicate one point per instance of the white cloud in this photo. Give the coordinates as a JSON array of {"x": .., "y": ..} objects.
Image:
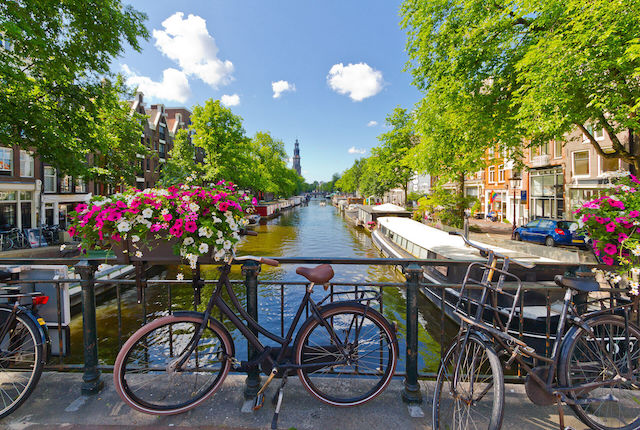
[
  {"x": 372, "y": 123},
  {"x": 230, "y": 100},
  {"x": 358, "y": 81},
  {"x": 173, "y": 87},
  {"x": 280, "y": 87},
  {"x": 188, "y": 42},
  {"x": 354, "y": 150}
]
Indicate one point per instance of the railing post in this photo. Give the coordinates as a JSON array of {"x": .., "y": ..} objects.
[
  {"x": 411, "y": 392},
  {"x": 92, "y": 383},
  {"x": 250, "y": 270}
]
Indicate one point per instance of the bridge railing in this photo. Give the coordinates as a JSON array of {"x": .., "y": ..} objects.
[{"x": 92, "y": 364}]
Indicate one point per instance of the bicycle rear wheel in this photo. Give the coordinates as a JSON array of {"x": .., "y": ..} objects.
[
  {"x": 145, "y": 378},
  {"x": 474, "y": 398},
  {"x": 604, "y": 357},
  {"x": 370, "y": 345},
  {"x": 21, "y": 361}
]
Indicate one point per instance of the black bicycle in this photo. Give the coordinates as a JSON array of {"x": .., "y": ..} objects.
[
  {"x": 176, "y": 362},
  {"x": 24, "y": 345},
  {"x": 594, "y": 366}
]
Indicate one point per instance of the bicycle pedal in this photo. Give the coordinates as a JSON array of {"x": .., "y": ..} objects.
[{"x": 258, "y": 402}]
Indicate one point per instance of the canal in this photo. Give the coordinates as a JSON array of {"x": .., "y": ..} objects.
[{"x": 304, "y": 231}]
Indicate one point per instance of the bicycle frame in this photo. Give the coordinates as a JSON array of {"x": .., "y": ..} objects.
[{"x": 216, "y": 300}]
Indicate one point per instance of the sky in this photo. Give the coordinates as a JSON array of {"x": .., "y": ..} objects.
[{"x": 324, "y": 72}]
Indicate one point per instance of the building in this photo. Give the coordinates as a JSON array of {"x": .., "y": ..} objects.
[{"x": 296, "y": 158}]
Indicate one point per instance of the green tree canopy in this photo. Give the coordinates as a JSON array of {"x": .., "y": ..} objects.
[
  {"x": 270, "y": 171},
  {"x": 52, "y": 97},
  {"x": 349, "y": 182},
  {"x": 181, "y": 163}
]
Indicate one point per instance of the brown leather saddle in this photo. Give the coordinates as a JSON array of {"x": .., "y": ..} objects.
[{"x": 318, "y": 275}]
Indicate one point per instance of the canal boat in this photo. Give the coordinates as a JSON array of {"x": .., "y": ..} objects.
[{"x": 404, "y": 238}]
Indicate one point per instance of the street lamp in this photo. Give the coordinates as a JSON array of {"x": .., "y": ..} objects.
[{"x": 513, "y": 182}]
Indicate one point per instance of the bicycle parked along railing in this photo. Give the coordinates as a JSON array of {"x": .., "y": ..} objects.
[
  {"x": 161, "y": 369},
  {"x": 24, "y": 345},
  {"x": 593, "y": 367}
]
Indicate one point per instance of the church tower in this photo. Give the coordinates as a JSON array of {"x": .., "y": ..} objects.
[{"x": 296, "y": 158}]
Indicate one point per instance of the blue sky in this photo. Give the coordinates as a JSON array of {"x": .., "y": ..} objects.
[{"x": 337, "y": 66}]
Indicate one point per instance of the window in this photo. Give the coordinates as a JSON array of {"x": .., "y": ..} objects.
[
  {"x": 50, "y": 179},
  {"x": 501, "y": 173},
  {"x": 6, "y": 161},
  {"x": 581, "y": 163},
  {"x": 491, "y": 152},
  {"x": 557, "y": 152},
  {"x": 148, "y": 164},
  {"x": 492, "y": 173},
  {"x": 66, "y": 184},
  {"x": 598, "y": 134},
  {"x": 81, "y": 186},
  {"x": 609, "y": 164},
  {"x": 26, "y": 164},
  {"x": 162, "y": 150},
  {"x": 162, "y": 132},
  {"x": 533, "y": 223},
  {"x": 544, "y": 148}
]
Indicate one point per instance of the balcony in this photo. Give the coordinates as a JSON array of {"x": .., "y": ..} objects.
[{"x": 541, "y": 160}]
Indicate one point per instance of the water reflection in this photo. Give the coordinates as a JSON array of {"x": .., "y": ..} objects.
[{"x": 309, "y": 231}]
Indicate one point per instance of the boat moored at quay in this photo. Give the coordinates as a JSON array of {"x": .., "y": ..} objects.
[{"x": 536, "y": 325}]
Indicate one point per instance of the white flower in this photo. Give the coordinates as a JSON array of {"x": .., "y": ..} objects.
[
  {"x": 193, "y": 207},
  {"x": 180, "y": 277},
  {"x": 123, "y": 226},
  {"x": 164, "y": 211},
  {"x": 202, "y": 231},
  {"x": 636, "y": 251},
  {"x": 219, "y": 234},
  {"x": 101, "y": 267},
  {"x": 138, "y": 254},
  {"x": 135, "y": 238},
  {"x": 220, "y": 241},
  {"x": 203, "y": 248},
  {"x": 635, "y": 270},
  {"x": 147, "y": 213},
  {"x": 183, "y": 252},
  {"x": 220, "y": 254},
  {"x": 188, "y": 241},
  {"x": 227, "y": 244},
  {"x": 62, "y": 247}
]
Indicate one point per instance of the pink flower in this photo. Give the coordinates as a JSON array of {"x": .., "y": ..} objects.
[
  {"x": 254, "y": 201},
  {"x": 616, "y": 204},
  {"x": 223, "y": 206},
  {"x": 116, "y": 237},
  {"x": 121, "y": 204},
  {"x": 176, "y": 230},
  {"x": 155, "y": 227},
  {"x": 622, "y": 237},
  {"x": 611, "y": 227},
  {"x": 81, "y": 207},
  {"x": 167, "y": 217},
  {"x": 607, "y": 260},
  {"x": 634, "y": 179},
  {"x": 600, "y": 220},
  {"x": 634, "y": 214},
  {"x": 72, "y": 231},
  {"x": 610, "y": 249},
  {"x": 190, "y": 226}
]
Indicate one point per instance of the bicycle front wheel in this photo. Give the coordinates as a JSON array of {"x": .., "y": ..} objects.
[
  {"x": 350, "y": 339},
  {"x": 145, "y": 374},
  {"x": 607, "y": 357},
  {"x": 472, "y": 396},
  {"x": 21, "y": 360}
]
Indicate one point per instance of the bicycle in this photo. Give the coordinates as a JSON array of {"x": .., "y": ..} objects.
[
  {"x": 594, "y": 365},
  {"x": 14, "y": 239},
  {"x": 176, "y": 362},
  {"x": 24, "y": 346}
]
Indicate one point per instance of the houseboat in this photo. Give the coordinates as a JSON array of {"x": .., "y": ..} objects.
[{"x": 404, "y": 238}]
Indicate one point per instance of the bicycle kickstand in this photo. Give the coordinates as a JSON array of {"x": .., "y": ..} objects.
[
  {"x": 561, "y": 414},
  {"x": 277, "y": 401}
]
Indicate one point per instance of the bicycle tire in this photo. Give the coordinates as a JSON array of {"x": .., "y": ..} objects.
[
  {"x": 215, "y": 344},
  {"x": 487, "y": 400},
  {"x": 323, "y": 382},
  {"x": 24, "y": 361},
  {"x": 582, "y": 361},
  {"x": 7, "y": 244}
]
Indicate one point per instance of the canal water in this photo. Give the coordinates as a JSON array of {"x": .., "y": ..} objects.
[{"x": 304, "y": 231}]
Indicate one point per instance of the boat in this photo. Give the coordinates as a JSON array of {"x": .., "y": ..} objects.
[
  {"x": 405, "y": 238},
  {"x": 254, "y": 218},
  {"x": 323, "y": 203}
]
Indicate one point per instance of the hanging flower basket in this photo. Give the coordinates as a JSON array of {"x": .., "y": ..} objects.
[
  {"x": 190, "y": 223},
  {"x": 612, "y": 221}
]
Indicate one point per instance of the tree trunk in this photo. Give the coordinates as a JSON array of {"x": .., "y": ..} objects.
[{"x": 460, "y": 198}]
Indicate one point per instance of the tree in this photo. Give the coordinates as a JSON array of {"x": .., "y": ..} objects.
[
  {"x": 53, "y": 98},
  {"x": 220, "y": 133},
  {"x": 181, "y": 163},
  {"x": 370, "y": 180},
  {"x": 349, "y": 182},
  {"x": 394, "y": 170},
  {"x": 538, "y": 69},
  {"x": 271, "y": 173}
]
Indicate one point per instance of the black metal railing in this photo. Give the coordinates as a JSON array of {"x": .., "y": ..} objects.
[{"x": 414, "y": 283}]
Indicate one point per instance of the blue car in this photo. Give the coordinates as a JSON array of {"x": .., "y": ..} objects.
[{"x": 551, "y": 232}]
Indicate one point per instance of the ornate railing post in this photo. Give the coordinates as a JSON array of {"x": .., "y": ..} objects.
[
  {"x": 411, "y": 392},
  {"x": 91, "y": 378},
  {"x": 250, "y": 270}
]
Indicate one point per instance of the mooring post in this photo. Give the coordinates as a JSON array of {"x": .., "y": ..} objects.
[
  {"x": 411, "y": 393},
  {"x": 250, "y": 270},
  {"x": 91, "y": 382}
]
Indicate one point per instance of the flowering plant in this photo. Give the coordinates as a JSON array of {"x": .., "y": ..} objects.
[
  {"x": 197, "y": 220},
  {"x": 612, "y": 222}
]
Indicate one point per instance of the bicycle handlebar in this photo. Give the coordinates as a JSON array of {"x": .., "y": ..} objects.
[{"x": 487, "y": 251}]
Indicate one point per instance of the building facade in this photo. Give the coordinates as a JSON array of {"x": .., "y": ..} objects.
[{"x": 296, "y": 158}]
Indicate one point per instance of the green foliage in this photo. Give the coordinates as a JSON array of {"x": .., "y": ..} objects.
[
  {"x": 270, "y": 172},
  {"x": 413, "y": 196},
  {"x": 53, "y": 98},
  {"x": 350, "y": 179},
  {"x": 181, "y": 166},
  {"x": 444, "y": 205},
  {"x": 530, "y": 70}
]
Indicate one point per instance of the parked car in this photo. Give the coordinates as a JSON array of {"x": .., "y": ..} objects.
[{"x": 551, "y": 232}]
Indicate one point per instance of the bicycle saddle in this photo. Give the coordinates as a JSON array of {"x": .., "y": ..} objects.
[
  {"x": 318, "y": 275},
  {"x": 586, "y": 285}
]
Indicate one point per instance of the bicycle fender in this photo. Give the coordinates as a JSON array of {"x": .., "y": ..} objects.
[
  {"x": 575, "y": 329},
  {"x": 213, "y": 322},
  {"x": 42, "y": 331}
]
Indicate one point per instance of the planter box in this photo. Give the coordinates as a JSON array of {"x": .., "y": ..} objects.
[{"x": 161, "y": 252}]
